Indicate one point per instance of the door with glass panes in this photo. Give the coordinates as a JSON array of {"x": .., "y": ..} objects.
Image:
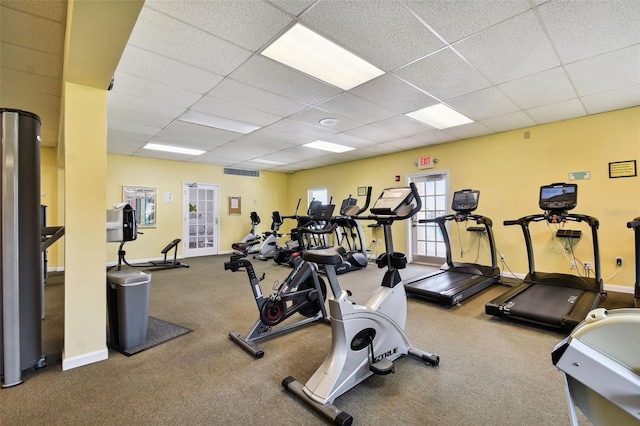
[
  {"x": 427, "y": 242},
  {"x": 201, "y": 219}
]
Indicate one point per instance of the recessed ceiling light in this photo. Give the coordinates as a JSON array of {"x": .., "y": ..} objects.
[
  {"x": 328, "y": 121},
  {"x": 309, "y": 52},
  {"x": 270, "y": 162},
  {"x": 440, "y": 116},
  {"x": 328, "y": 146},
  {"x": 174, "y": 149},
  {"x": 218, "y": 122}
]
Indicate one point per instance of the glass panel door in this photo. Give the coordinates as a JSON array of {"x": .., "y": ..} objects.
[
  {"x": 201, "y": 213},
  {"x": 427, "y": 242}
]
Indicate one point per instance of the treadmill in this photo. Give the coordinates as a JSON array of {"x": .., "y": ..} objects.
[
  {"x": 552, "y": 299},
  {"x": 635, "y": 225},
  {"x": 457, "y": 281}
]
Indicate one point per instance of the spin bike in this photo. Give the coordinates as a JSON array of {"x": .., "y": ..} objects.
[
  {"x": 366, "y": 339},
  {"x": 303, "y": 292}
]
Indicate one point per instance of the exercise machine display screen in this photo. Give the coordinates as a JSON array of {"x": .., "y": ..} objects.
[
  {"x": 558, "y": 196},
  {"x": 465, "y": 200},
  {"x": 391, "y": 200}
]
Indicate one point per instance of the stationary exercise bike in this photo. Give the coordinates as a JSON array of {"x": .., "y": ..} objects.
[
  {"x": 303, "y": 292},
  {"x": 366, "y": 339},
  {"x": 270, "y": 242}
]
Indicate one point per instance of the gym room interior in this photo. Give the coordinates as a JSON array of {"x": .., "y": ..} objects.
[{"x": 59, "y": 61}]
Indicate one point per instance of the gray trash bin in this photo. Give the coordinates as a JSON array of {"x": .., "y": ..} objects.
[{"x": 128, "y": 308}]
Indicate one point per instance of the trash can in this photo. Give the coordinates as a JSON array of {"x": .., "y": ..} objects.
[{"x": 128, "y": 308}]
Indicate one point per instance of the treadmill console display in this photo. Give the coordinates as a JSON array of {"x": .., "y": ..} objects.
[
  {"x": 392, "y": 200},
  {"x": 465, "y": 200},
  {"x": 558, "y": 196}
]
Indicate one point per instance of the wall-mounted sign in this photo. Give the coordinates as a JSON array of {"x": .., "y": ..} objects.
[
  {"x": 579, "y": 175},
  {"x": 619, "y": 169},
  {"x": 426, "y": 162}
]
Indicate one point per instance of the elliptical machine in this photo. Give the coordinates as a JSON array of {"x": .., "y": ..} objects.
[
  {"x": 350, "y": 235},
  {"x": 270, "y": 243},
  {"x": 248, "y": 244},
  {"x": 366, "y": 339}
]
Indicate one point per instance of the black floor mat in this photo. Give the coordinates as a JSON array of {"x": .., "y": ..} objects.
[{"x": 158, "y": 332}]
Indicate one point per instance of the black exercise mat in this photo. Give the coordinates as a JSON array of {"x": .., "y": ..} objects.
[{"x": 158, "y": 332}]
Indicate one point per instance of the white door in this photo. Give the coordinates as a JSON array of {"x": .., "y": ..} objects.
[
  {"x": 201, "y": 219},
  {"x": 427, "y": 243}
]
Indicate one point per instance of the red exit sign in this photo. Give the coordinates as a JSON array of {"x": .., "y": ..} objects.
[{"x": 426, "y": 162}]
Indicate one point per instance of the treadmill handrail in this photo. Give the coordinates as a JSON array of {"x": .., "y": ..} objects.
[
  {"x": 481, "y": 220},
  {"x": 574, "y": 217}
]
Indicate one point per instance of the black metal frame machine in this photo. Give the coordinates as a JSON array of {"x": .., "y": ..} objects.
[
  {"x": 350, "y": 235},
  {"x": 458, "y": 281},
  {"x": 552, "y": 299},
  {"x": 635, "y": 225}
]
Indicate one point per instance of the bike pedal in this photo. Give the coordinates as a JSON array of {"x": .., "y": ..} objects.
[{"x": 382, "y": 367}]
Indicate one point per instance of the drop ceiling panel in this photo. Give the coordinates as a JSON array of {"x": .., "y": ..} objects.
[
  {"x": 512, "y": 49},
  {"x": 613, "y": 100},
  {"x": 485, "y": 103},
  {"x": 589, "y": 28},
  {"x": 194, "y": 133},
  {"x": 455, "y": 20},
  {"x": 543, "y": 88},
  {"x": 153, "y": 90},
  {"x": 241, "y": 150},
  {"x": 355, "y": 108},
  {"x": 116, "y": 127},
  {"x": 31, "y": 31},
  {"x": 443, "y": 75},
  {"x": 31, "y": 61},
  {"x": 557, "y": 112},
  {"x": 249, "y": 24},
  {"x": 169, "y": 37},
  {"x": 503, "y": 123},
  {"x": 401, "y": 126},
  {"x": 607, "y": 72},
  {"x": 434, "y": 137},
  {"x": 236, "y": 112},
  {"x": 398, "y": 38},
  {"x": 313, "y": 116},
  {"x": 371, "y": 133},
  {"x": 396, "y": 95},
  {"x": 161, "y": 155},
  {"x": 463, "y": 132},
  {"x": 300, "y": 128},
  {"x": 350, "y": 141},
  {"x": 51, "y": 10},
  {"x": 283, "y": 136},
  {"x": 251, "y": 97},
  {"x": 164, "y": 112},
  {"x": 276, "y": 78},
  {"x": 155, "y": 67},
  {"x": 35, "y": 83},
  {"x": 153, "y": 121}
]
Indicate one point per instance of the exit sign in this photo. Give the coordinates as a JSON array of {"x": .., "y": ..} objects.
[{"x": 426, "y": 162}]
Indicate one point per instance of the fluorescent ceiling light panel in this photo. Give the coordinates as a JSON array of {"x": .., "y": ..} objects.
[
  {"x": 269, "y": 162},
  {"x": 328, "y": 146},
  {"x": 309, "y": 52},
  {"x": 440, "y": 116},
  {"x": 174, "y": 149},
  {"x": 218, "y": 122}
]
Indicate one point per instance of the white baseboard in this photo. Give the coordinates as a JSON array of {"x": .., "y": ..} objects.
[
  {"x": 513, "y": 275},
  {"x": 618, "y": 288},
  {"x": 85, "y": 359}
]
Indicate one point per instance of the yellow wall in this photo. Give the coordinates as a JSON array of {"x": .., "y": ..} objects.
[
  {"x": 508, "y": 170},
  {"x": 263, "y": 195},
  {"x": 85, "y": 180}
]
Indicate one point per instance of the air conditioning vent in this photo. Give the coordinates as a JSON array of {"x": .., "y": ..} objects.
[{"x": 241, "y": 172}]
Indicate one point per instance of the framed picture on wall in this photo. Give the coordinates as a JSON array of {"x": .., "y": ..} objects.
[{"x": 144, "y": 201}]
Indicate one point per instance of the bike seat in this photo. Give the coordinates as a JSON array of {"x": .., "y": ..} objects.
[{"x": 328, "y": 256}]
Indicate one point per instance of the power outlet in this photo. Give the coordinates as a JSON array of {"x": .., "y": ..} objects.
[
  {"x": 618, "y": 261},
  {"x": 502, "y": 258},
  {"x": 587, "y": 265}
]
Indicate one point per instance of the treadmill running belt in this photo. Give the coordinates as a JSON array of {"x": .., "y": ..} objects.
[{"x": 545, "y": 303}]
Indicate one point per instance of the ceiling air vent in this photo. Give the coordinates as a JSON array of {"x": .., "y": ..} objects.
[{"x": 241, "y": 172}]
